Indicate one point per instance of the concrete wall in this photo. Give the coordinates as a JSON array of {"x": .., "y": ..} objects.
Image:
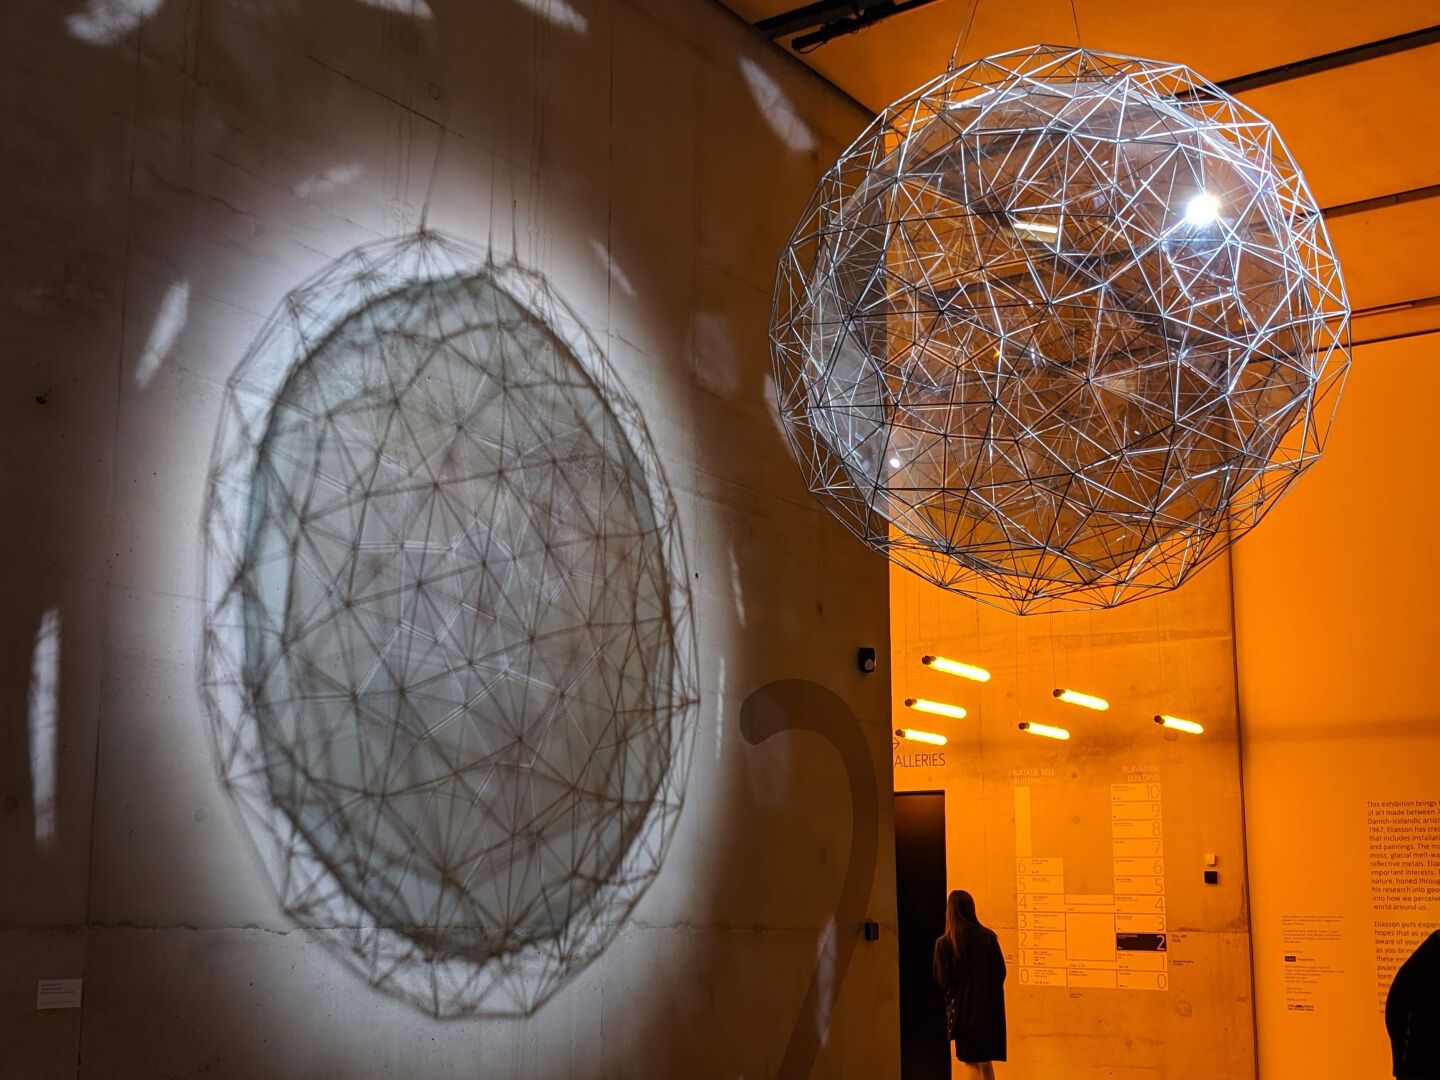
[
  {"x": 1339, "y": 698},
  {"x": 172, "y": 168},
  {"x": 1077, "y": 1009}
]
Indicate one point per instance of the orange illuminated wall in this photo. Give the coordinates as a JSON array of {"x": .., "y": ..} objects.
[
  {"x": 1066, "y": 845},
  {"x": 1337, "y": 612}
]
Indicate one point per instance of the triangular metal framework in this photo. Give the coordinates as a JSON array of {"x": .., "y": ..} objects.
[{"x": 1059, "y": 327}]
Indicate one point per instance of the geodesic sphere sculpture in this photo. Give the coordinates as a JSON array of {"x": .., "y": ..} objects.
[
  {"x": 451, "y": 664},
  {"x": 1058, "y": 327}
]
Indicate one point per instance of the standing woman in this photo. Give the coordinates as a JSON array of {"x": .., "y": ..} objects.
[{"x": 970, "y": 969}]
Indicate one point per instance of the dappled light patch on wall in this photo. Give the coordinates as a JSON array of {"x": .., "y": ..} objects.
[
  {"x": 170, "y": 319},
  {"x": 43, "y": 727},
  {"x": 417, "y": 9},
  {"x": 331, "y": 179},
  {"x": 776, "y": 108},
  {"x": 108, "y": 22},
  {"x": 612, "y": 268},
  {"x": 559, "y": 13}
]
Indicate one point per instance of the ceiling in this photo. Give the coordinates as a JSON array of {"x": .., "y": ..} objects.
[{"x": 1361, "y": 130}]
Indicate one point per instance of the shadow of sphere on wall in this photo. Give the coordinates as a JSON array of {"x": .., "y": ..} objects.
[{"x": 449, "y": 657}]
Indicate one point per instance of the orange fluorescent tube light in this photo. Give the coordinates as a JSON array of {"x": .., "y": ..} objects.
[
  {"x": 1174, "y": 723},
  {"x": 939, "y": 708},
  {"x": 955, "y": 667},
  {"x": 1044, "y": 729},
  {"x": 915, "y": 735},
  {"x": 1085, "y": 701}
]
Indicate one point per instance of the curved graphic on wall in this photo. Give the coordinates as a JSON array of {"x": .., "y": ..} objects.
[
  {"x": 801, "y": 705},
  {"x": 449, "y": 659}
]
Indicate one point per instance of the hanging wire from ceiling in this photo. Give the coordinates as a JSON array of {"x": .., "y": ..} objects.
[{"x": 958, "y": 52}]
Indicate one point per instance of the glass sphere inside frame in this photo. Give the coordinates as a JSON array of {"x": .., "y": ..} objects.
[{"x": 1058, "y": 327}]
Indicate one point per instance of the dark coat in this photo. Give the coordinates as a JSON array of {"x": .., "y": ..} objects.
[
  {"x": 1412, "y": 1013},
  {"x": 974, "y": 987}
]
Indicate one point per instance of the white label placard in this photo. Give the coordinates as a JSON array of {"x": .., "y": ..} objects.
[{"x": 58, "y": 993}]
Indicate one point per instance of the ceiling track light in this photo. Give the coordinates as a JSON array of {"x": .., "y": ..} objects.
[
  {"x": 956, "y": 667},
  {"x": 1045, "y": 730},
  {"x": 938, "y": 708},
  {"x": 916, "y": 735},
  {"x": 1174, "y": 723},
  {"x": 1085, "y": 701}
]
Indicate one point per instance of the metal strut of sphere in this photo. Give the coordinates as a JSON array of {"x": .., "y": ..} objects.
[{"x": 1059, "y": 327}]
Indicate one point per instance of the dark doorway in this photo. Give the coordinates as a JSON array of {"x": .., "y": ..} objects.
[{"x": 920, "y": 904}]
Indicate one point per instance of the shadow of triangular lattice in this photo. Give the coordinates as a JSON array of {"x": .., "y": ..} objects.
[{"x": 449, "y": 659}]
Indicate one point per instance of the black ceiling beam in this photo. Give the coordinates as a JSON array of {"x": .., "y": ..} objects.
[
  {"x": 1356, "y": 54},
  {"x": 1420, "y": 303},
  {"x": 806, "y": 42},
  {"x": 838, "y": 17},
  {"x": 1424, "y": 331},
  {"x": 835, "y": 18},
  {"x": 818, "y": 14},
  {"x": 1382, "y": 202}
]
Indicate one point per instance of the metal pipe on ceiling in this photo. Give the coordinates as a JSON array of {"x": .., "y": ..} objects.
[
  {"x": 1314, "y": 65},
  {"x": 818, "y": 14},
  {"x": 1355, "y": 54},
  {"x": 1382, "y": 202},
  {"x": 1419, "y": 303},
  {"x": 1402, "y": 336},
  {"x": 835, "y": 18}
]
